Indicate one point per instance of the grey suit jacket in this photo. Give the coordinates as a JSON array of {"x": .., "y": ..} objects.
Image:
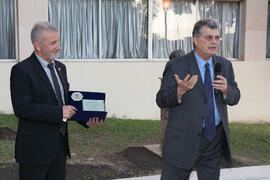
[{"x": 185, "y": 123}]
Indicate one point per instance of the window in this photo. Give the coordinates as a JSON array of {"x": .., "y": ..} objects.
[
  {"x": 120, "y": 32},
  {"x": 78, "y": 24},
  {"x": 118, "y": 29},
  {"x": 268, "y": 34},
  {"x": 173, "y": 25},
  {"x": 124, "y": 29},
  {"x": 7, "y": 30}
]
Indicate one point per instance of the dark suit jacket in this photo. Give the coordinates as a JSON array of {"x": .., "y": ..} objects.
[
  {"x": 185, "y": 123},
  {"x": 35, "y": 103}
]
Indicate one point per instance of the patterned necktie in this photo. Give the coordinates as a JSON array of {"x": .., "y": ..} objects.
[
  {"x": 210, "y": 127},
  {"x": 62, "y": 127}
]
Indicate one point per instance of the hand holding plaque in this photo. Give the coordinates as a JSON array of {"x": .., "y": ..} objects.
[
  {"x": 93, "y": 122},
  {"x": 88, "y": 105}
]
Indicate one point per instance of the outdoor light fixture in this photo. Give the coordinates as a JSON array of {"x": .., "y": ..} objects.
[{"x": 166, "y": 4}]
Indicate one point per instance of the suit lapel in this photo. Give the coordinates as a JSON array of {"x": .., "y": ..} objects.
[
  {"x": 193, "y": 70},
  {"x": 40, "y": 71}
]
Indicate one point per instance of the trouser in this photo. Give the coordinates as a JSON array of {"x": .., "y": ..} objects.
[
  {"x": 53, "y": 171},
  {"x": 207, "y": 163}
]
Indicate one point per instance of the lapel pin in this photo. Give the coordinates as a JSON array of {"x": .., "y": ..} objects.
[{"x": 59, "y": 69}]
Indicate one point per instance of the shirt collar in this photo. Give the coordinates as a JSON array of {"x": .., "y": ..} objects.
[
  {"x": 42, "y": 61},
  {"x": 201, "y": 62}
]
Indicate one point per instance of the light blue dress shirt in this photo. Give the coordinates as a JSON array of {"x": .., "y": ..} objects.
[
  {"x": 201, "y": 64},
  {"x": 49, "y": 75}
]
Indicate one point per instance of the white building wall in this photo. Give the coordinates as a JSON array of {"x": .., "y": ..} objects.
[
  {"x": 131, "y": 87},
  {"x": 5, "y": 101}
]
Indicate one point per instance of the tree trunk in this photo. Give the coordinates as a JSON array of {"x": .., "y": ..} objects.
[{"x": 164, "y": 113}]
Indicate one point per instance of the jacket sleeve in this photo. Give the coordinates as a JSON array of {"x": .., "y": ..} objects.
[
  {"x": 167, "y": 94},
  {"x": 233, "y": 93},
  {"x": 83, "y": 124}
]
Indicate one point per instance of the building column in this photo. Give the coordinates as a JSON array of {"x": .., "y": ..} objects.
[
  {"x": 254, "y": 30},
  {"x": 29, "y": 12}
]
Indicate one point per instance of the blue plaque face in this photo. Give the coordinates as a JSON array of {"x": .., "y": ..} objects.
[{"x": 88, "y": 104}]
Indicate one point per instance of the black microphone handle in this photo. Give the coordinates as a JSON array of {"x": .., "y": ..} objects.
[{"x": 217, "y": 71}]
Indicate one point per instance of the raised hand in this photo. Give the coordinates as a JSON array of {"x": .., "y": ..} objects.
[{"x": 186, "y": 84}]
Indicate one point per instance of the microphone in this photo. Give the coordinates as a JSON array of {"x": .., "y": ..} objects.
[{"x": 217, "y": 71}]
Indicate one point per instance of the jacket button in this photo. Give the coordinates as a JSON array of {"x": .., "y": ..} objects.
[
  {"x": 202, "y": 118},
  {"x": 199, "y": 134},
  {"x": 205, "y": 101}
]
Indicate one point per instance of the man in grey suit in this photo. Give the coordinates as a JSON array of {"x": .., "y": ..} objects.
[{"x": 197, "y": 133}]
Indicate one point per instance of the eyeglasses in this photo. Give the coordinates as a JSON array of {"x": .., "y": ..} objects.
[{"x": 211, "y": 38}]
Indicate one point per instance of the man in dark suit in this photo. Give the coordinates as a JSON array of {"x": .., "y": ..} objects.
[
  {"x": 197, "y": 133},
  {"x": 39, "y": 88}
]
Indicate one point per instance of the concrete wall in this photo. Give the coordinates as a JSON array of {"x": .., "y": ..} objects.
[
  {"x": 5, "y": 103},
  {"x": 255, "y": 98},
  {"x": 131, "y": 86}
]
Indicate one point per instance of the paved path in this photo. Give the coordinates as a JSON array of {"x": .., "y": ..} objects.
[{"x": 243, "y": 173}]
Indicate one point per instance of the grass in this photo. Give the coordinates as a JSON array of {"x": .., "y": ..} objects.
[
  {"x": 8, "y": 120},
  {"x": 250, "y": 142},
  {"x": 6, "y": 151},
  {"x": 113, "y": 136},
  {"x": 7, "y": 147}
]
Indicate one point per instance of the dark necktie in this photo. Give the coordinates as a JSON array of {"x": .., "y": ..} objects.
[
  {"x": 210, "y": 127},
  {"x": 62, "y": 127}
]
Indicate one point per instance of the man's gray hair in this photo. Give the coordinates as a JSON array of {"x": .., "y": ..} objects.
[
  {"x": 36, "y": 33},
  {"x": 209, "y": 22}
]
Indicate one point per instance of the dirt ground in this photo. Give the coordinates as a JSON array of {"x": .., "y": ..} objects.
[{"x": 131, "y": 162}]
